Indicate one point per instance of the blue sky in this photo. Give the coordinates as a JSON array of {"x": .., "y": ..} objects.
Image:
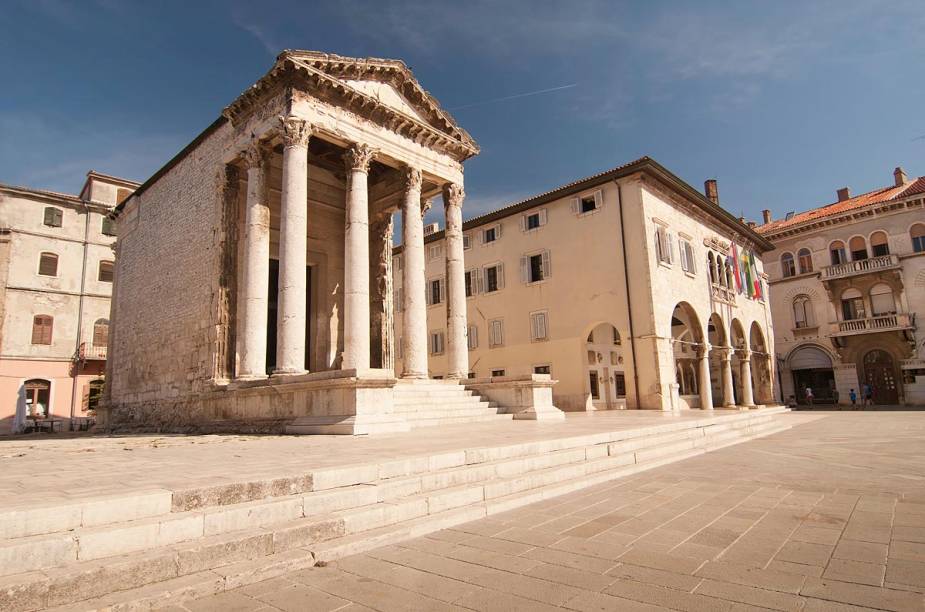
[{"x": 782, "y": 102}]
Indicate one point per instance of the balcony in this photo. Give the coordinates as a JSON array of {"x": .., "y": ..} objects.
[
  {"x": 723, "y": 294},
  {"x": 864, "y": 266},
  {"x": 873, "y": 325},
  {"x": 92, "y": 352}
]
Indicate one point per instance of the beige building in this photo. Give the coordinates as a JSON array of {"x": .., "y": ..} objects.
[
  {"x": 848, "y": 295},
  {"x": 620, "y": 286},
  {"x": 56, "y": 271}
]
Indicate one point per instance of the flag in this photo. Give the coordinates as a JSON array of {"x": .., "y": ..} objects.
[
  {"x": 735, "y": 268},
  {"x": 749, "y": 285}
]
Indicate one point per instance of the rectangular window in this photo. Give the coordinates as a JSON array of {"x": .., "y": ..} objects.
[
  {"x": 881, "y": 249},
  {"x": 41, "y": 329},
  {"x": 494, "y": 278},
  {"x": 53, "y": 216},
  {"x": 588, "y": 203},
  {"x": 664, "y": 245},
  {"x": 534, "y": 268},
  {"x": 499, "y": 372},
  {"x": 471, "y": 375},
  {"x": 619, "y": 381},
  {"x": 532, "y": 221},
  {"x": 467, "y": 242},
  {"x": 542, "y": 369},
  {"x": 469, "y": 288},
  {"x": 495, "y": 333},
  {"x": 435, "y": 251},
  {"x": 436, "y": 342},
  {"x": 491, "y": 234},
  {"x": 918, "y": 243},
  {"x": 686, "y": 254},
  {"x": 436, "y": 291},
  {"x": 538, "y": 326},
  {"x": 472, "y": 337},
  {"x": 108, "y": 227},
  {"x": 595, "y": 389},
  {"x": 853, "y": 308},
  {"x": 106, "y": 272},
  {"x": 48, "y": 264},
  {"x": 838, "y": 256},
  {"x": 859, "y": 255},
  {"x": 473, "y": 282}
]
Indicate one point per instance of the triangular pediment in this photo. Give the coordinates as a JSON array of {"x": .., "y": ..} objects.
[{"x": 388, "y": 95}]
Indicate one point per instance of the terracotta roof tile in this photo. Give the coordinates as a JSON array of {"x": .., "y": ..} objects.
[{"x": 878, "y": 196}]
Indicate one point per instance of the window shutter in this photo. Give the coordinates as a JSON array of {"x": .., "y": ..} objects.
[
  {"x": 683, "y": 255},
  {"x": 479, "y": 281},
  {"x": 473, "y": 339},
  {"x": 427, "y": 294},
  {"x": 396, "y": 300},
  {"x": 691, "y": 262},
  {"x": 525, "y": 269},
  {"x": 543, "y": 217},
  {"x": 497, "y": 231},
  {"x": 442, "y": 283},
  {"x": 541, "y": 325},
  {"x": 598, "y": 199},
  {"x": 48, "y": 264},
  {"x": 547, "y": 264},
  {"x": 670, "y": 248},
  {"x": 500, "y": 276},
  {"x": 576, "y": 205},
  {"x": 523, "y": 223},
  {"x": 49, "y": 219}
]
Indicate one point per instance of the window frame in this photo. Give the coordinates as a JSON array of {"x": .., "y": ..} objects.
[
  {"x": 534, "y": 328},
  {"x": 917, "y": 242},
  {"x": 499, "y": 277},
  {"x": 804, "y": 253},
  {"x": 57, "y": 216},
  {"x": 106, "y": 222},
  {"x": 51, "y": 257},
  {"x": 112, "y": 271},
  {"x": 39, "y": 325},
  {"x": 436, "y": 342},
  {"x": 495, "y": 335},
  {"x": 787, "y": 258}
]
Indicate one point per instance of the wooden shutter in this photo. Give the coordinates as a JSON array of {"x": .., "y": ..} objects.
[
  {"x": 479, "y": 280},
  {"x": 53, "y": 216},
  {"x": 670, "y": 247},
  {"x": 543, "y": 217},
  {"x": 500, "y": 267},
  {"x": 547, "y": 264},
  {"x": 41, "y": 329},
  {"x": 541, "y": 325},
  {"x": 682, "y": 253},
  {"x": 427, "y": 293},
  {"x": 598, "y": 199},
  {"x": 576, "y": 205},
  {"x": 48, "y": 264},
  {"x": 523, "y": 223},
  {"x": 473, "y": 336},
  {"x": 525, "y": 269},
  {"x": 442, "y": 284},
  {"x": 497, "y": 231}
]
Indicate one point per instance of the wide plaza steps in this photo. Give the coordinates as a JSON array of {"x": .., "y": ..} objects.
[
  {"x": 145, "y": 550},
  {"x": 431, "y": 402}
]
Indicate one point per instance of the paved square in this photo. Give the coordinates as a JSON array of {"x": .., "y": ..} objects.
[{"x": 829, "y": 515}]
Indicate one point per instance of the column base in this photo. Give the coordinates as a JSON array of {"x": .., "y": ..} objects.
[
  {"x": 528, "y": 398},
  {"x": 415, "y": 376},
  {"x": 288, "y": 372},
  {"x": 249, "y": 377}
]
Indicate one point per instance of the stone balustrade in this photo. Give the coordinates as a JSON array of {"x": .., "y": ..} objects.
[
  {"x": 863, "y": 266},
  {"x": 879, "y": 323}
]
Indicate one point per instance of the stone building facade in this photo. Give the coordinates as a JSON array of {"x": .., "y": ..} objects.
[
  {"x": 848, "y": 287},
  {"x": 620, "y": 286},
  {"x": 254, "y": 283},
  {"x": 56, "y": 270}
]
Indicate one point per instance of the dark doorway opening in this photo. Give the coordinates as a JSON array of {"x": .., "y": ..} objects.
[
  {"x": 273, "y": 307},
  {"x": 880, "y": 374},
  {"x": 821, "y": 381}
]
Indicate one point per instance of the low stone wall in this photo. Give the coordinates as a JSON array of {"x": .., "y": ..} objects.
[
  {"x": 527, "y": 397},
  {"x": 340, "y": 401}
]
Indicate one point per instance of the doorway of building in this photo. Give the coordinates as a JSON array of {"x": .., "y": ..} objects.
[
  {"x": 880, "y": 374},
  {"x": 273, "y": 307},
  {"x": 812, "y": 368},
  {"x": 38, "y": 393}
]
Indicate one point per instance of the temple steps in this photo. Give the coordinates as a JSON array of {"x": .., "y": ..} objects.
[
  {"x": 149, "y": 549},
  {"x": 427, "y": 403}
]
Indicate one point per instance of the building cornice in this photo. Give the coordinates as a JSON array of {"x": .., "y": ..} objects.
[
  {"x": 53, "y": 197},
  {"x": 848, "y": 216}
]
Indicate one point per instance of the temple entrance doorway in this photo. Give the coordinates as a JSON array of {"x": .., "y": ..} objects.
[{"x": 273, "y": 307}]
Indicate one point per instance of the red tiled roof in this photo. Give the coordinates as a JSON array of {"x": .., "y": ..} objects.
[{"x": 877, "y": 196}]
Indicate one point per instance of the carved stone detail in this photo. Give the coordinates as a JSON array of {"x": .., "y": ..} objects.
[
  {"x": 453, "y": 194},
  {"x": 413, "y": 178},
  {"x": 426, "y": 204},
  {"x": 357, "y": 157},
  {"x": 295, "y": 132},
  {"x": 255, "y": 155}
]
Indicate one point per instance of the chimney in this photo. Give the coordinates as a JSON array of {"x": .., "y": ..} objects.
[
  {"x": 844, "y": 194},
  {"x": 752, "y": 224},
  {"x": 766, "y": 215},
  {"x": 711, "y": 191},
  {"x": 899, "y": 176}
]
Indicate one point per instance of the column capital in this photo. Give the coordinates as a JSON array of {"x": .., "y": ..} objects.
[
  {"x": 357, "y": 157},
  {"x": 453, "y": 194},
  {"x": 413, "y": 178},
  {"x": 426, "y": 204},
  {"x": 255, "y": 155},
  {"x": 295, "y": 132}
]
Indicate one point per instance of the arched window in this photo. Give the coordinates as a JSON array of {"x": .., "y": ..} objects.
[
  {"x": 852, "y": 305},
  {"x": 101, "y": 332},
  {"x": 711, "y": 267},
  {"x": 881, "y": 300},
  {"x": 879, "y": 245},
  {"x": 41, "y": 329},
  {"x": 38, "y": 391},
  {"x": 803, "y": 314},
  {"x": 918, "y": 237},
  {"x": 728, "y": 274},
  {"x": 805, "y": 259},
  {"x": 837, "y": 251},
  {"x": 858, "y": 248},
  {"x": 48, "y": 264},
  {"x": 786, "y": 265},
  {"x": 105, "y": 274},
  {"x": 616, "y": 337}
]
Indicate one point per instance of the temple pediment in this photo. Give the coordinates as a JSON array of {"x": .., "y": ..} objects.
[{"x": 382, "y": 90}]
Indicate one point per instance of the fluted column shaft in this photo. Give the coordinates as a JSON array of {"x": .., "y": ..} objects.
[
  {"x": 293, "y": 246},
  {"x": 414, "y": 315},
  {"x": 456, "y": 324},
  {"x": 706, "y": 386},
  {"x": 748, "y": 399},
  {"x": 728, "y": 391},
  {"x": 356, "y": 259},
  {"x": 252, "y": 340}
]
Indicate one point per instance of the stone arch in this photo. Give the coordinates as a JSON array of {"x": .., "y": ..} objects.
[
  {"x": 810, "y": 365},
  {"x": 739, "y": 343},
  {"x": 604, "y": 366},
  {"x": 687, "y": 341},
  {"x": 856, "y": 244},
  {"x": 717, "y": 342},
  {"x": 762, "y": 367}
]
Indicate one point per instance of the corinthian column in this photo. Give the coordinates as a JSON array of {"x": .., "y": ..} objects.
[
  {"x": 457, "y": 348},
  {"x": 748, "y": 399},
  {"x": 728, "y": 391},
  {"x": 252, "y": 341},
  {"x": 356, "y": 259},
  {"x": 706, "y": 387},
  {"x": 293, "y": 245},
  {"x": 414, "y": 315}
]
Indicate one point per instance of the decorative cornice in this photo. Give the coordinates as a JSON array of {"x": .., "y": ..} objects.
[
  {"x": 453, "y": 195},
  {"x": 357, "y": 157},
  {"x": 295, "y": 132},
  {"x": 255, "y": 156}
]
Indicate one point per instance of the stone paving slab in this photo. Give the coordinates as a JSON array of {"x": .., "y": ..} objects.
[
  {"x": 57, "y": 471},
  {"x": 828, "y": 516}
]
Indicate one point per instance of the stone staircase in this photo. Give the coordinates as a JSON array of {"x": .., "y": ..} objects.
[
  {"x": 149, "y": 549},
  {"x": 442, "y": 402}
]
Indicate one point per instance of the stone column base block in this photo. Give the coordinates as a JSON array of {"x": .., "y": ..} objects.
[{"x": 527, "y": 397}]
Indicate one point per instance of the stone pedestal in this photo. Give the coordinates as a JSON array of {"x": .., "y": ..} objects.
[{"x": 527, "y": 397}]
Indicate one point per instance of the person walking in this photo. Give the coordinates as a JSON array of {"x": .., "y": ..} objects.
[
  {"x": 809, "y": 396},
  {"x": 868, "y": 395},
  {"x": 854, "y": 399}
]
